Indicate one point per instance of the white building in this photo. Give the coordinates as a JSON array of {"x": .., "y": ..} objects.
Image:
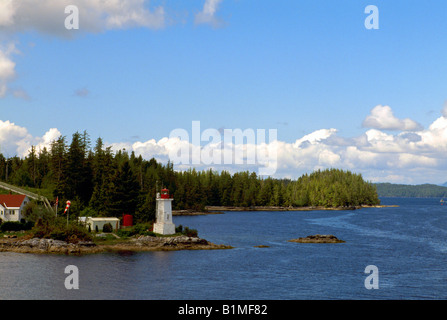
[
  {"x": 98, "y": 223},
  {"x": 11, "y": 206},
  {"x": 163, "y": 214}
]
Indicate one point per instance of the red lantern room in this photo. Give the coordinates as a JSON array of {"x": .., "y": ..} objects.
[{"x": 164, "y": 193}]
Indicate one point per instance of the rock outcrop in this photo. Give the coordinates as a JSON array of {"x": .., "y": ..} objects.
[
  {"x": 318, "y": 238},
  {"x": 142, "y": 243},
  {"x": 36, "y": 245}
]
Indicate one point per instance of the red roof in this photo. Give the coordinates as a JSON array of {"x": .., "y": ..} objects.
[{"x": 12, "y": 200}]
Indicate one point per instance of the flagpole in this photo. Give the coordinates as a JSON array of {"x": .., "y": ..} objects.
[{"x": 67, "y": 209}]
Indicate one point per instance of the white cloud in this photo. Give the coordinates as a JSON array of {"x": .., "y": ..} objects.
[
  {"x": 16, "y": 140},
  {"x": 316, "y": 136},
  {"x": 382, "y": 118},
  {"x": 405, "y": 157},
  {"x": 7, "y": 67},
  {"x": 48, "y": 16},
  {"x": 7, "y": 11},
  {"x": 208, "y": 14}
]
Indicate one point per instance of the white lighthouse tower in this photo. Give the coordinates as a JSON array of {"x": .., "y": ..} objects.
[{"x": 163, "y": 214}]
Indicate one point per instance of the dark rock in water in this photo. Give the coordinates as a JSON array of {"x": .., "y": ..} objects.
[{"x": 318, "y": 238}]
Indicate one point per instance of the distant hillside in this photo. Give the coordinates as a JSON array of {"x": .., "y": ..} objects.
[{"x": 411, "y": 191}]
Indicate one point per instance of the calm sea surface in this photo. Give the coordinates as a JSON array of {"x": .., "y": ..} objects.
[{"x": 408, "y": 245}]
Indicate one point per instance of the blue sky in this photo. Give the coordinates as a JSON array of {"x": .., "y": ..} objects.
[{"x": 295, "y": 66}]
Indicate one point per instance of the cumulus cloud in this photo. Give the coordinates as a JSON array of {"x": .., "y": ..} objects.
[
  {"x": 7, "y": 67},
  {"x": 48, "y": 16},
  {"x": 7, "y": 11},
  {"x": 382, "y": 118},
  {"x": 208, "y": 14},
  {"x": 17, "y": 141},
  {"x": 377, "y": 154},
  {"x": 403, "y": 157}
]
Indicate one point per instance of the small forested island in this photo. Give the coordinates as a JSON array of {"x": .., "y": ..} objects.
[{"x": 101, "y": 183}]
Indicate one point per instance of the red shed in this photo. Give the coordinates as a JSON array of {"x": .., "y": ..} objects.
[{"x": 127, "y": 220}]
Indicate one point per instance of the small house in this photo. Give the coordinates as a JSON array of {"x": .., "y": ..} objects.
[{"x": 11, "y": 206}]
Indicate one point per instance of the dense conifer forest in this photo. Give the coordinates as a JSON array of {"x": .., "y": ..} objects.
[
  {"x": 100, "y": 182},
  {"x": 411, "y": 191}
]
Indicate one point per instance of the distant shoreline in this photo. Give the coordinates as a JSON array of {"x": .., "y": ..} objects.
[{"x": 222, "y": 209}]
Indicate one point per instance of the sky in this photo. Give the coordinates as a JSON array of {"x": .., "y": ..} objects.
[{"x": 337, "y": 93}]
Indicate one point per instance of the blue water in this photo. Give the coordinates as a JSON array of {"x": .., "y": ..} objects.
[{"x": 408, "y": 245}]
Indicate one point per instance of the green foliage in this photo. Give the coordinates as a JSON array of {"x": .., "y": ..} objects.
[
  {"x": 33, "y": 212},
  {"x": 332, "y": 188},
  {"x": 186, "y": 231},
  {"x": 411, "y": 191},
  {"x": 100, "y": 182},
  {"x": 138, "y": 229},
  {"x": 107, "y": 228},
  {"x": 15, "y": 226},
  {"x": 59, "y": 230},
  {"x": 190, "y": 232}
]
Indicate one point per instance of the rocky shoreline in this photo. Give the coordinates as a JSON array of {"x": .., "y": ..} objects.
[
  {"x": 142, "y": 243},
  {"x": 212, "y": 209},
  {"x": 222, "y": 209},
  {"x": 193, "y": 212}
]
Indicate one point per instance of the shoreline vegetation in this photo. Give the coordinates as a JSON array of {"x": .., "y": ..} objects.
[
  {"x": 56, "y": 236},
  {"x": 105, "y": 183},
  {"x": 99, "y": 182}
]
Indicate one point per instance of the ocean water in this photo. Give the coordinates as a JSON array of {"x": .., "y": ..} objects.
[{"x": 407, "y": 244}]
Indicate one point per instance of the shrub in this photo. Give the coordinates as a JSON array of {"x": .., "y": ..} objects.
[
  {"x": 190, "y": 232},
  {"x": 138, "y": 229},
  {"x": 16, "y": 226},
  {"x": 107, "y": 228},
  {"x": 58, "y": 230}
]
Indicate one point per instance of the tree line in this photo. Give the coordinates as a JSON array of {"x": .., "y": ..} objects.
[
  {"x": 411, "y": 191},
  {"x": 100, "y": 182}
]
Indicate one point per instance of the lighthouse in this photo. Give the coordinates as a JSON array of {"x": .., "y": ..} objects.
[{"x": 163, "y": 213}]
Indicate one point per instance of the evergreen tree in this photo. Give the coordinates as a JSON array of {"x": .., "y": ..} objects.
[{"x": 125, "y": 193}]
